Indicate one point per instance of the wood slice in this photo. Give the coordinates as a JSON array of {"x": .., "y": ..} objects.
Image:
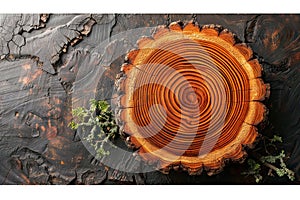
[{"x": 190, "y": 97}]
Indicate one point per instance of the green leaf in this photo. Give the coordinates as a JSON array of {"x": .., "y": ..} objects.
[
  {"x": 73, "y": 125},
  {"x": 291, "y": 175},
  {"x": 280, "y": 172},
  {"x": 254, "y": 166},
  {"x": 253, "y": 170},
  {"x": 258, "y": 178},
  {"x": 270, "y": 159},
  {"x": 276, "y": 138},
  {"x": 78, "y": 111},
  {"x": 282, "y": 154},
  {"x": 103, "y": 106}
]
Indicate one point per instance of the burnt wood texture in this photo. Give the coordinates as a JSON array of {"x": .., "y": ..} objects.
[{"x": 42, "y": 55}]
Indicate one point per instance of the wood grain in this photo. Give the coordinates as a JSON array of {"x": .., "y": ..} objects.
[{"x": 201, "y": 77}]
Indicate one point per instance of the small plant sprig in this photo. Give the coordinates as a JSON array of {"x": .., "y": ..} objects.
[
  {"x": 280, "y": 171},
  {"x": 99, "y": 121},
  {"x": 275, "y": 163},
  {"x": 254, "y": 169}
]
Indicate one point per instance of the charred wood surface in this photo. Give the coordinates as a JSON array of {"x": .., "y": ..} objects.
[{"x": 41, "y": 56}]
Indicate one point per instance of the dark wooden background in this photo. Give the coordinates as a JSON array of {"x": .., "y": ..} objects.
[{"x": 41, "y": 54}]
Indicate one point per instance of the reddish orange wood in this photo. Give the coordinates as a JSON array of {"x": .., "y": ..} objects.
[{"x": 208, "y": 89}]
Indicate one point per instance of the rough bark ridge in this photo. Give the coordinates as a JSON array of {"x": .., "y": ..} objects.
[{"x": 41, "y": 56}]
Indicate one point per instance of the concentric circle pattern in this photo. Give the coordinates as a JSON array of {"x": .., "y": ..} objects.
[{"x": 189, "y": 97}]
